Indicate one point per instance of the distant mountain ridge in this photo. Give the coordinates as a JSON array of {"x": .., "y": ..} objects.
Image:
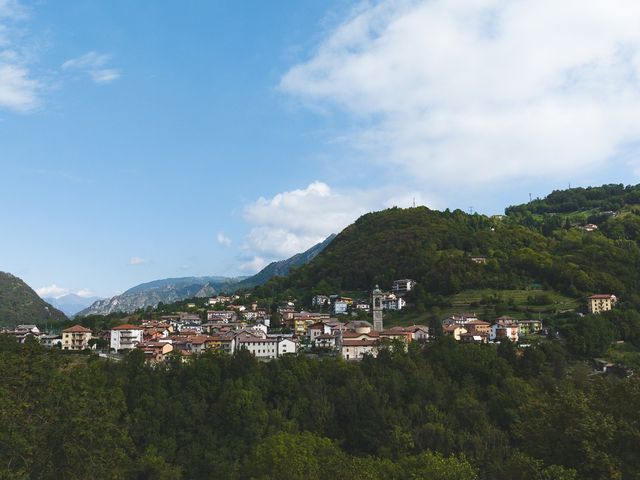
[
  {"x": 170, "y": 290},
  {"x": 71, "y": 303},
  {"x": 19, "y": 303},
  {"x": 167, "y": 290},
  {"x": 283, "y": 267}
]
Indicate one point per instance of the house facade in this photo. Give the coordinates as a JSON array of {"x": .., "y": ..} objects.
[
  {"x": 76, "y": 338},
  {"x": 126, "y": 337},
  {"x": 600, "y": 303}
]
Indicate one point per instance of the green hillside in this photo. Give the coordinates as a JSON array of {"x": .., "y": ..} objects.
[
  {"x": 20, "y": 304},
  {"x": 435, "y": 248}
]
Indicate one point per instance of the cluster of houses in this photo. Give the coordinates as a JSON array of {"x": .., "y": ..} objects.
[
  {"x": 468, "y": 328},
  {"x": 239, "y": 327},
  {"x": 392, "y": 300},
  {"x": 186, "y": 335}
]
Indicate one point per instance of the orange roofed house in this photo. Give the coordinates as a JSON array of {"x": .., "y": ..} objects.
[
  {"x": 601, "y": 303},
  {"x": 76, "y": 338}
]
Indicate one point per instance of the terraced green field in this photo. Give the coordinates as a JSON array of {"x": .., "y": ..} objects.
[{"x": 489, "y": 304}]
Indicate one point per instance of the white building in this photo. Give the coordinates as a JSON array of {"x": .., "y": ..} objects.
[
  {"x": 320, "y": 300},
  {"x": 325, "y": 341},
  {"x": 265, "y": 348},
  {"x": 357, "y": 349},
  {"x": 393, "y": 302},
  {"x": 126, "y": 337},
  {"x": 340, "y": 307},
  {"x": 51, "y": 341},
  {"x": 220, "y": 316},
  {"x": 286, "y": 346},
  {"x": 317, "y": 329},
  {"x": 405, "y": 285},
  {"x": 364, "y": 306}
]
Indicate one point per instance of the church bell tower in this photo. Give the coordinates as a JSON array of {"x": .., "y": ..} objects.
[{"x": 377, "y": 309}]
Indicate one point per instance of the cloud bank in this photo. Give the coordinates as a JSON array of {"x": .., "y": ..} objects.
[
  {"x": 293, "y": 221},
  {"x": 54, "y": 291},
  {"x": 482, "y": 90},
  {"x": 18, "y": 89}
]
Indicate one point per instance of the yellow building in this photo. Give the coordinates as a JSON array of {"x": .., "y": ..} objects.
[
  {"x": 600, "y": 303},
  {"x": 76, "y": 338}
]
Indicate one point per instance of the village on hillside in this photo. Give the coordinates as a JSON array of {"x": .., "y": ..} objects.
[{"x": 336, "y": 327}]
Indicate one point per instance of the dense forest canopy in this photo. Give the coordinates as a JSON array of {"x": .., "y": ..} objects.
[
  {"x": 611, "y": 197},
  {"x": 445, "y": 411}
]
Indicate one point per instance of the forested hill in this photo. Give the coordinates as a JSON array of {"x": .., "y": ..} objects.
[
  {"x": 436, "y": 249},
  {"x": 607, "y": 198},
  {"x": 20, "y": 304}
]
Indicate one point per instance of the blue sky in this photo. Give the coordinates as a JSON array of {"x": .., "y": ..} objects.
[{"x": 143, "y": 140}]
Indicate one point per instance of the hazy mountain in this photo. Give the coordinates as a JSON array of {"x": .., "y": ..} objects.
[
  {"x": 166, "y": 291},
  {"x": 175, "y": 289},
  {"x": 283, "y": 267},
  {"x": 20, "y": 304},
  {"x": 71, "y": 304}
]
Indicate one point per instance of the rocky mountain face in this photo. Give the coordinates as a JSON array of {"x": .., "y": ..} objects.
[
  {"x": 166, "y": 291},
  {"x": 20, "y": 304},
  {"x": 71, "y": 304},
  {"x": 176, "y": 289}
]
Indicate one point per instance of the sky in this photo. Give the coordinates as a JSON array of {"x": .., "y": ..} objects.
[{"x": 145, "y": 140}]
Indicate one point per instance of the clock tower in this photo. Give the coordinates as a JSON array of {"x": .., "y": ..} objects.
[{"x": 377, "y": 309}]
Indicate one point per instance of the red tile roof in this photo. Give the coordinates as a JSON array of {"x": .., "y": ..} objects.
[
  {"x": 358, "y": 343},
  {"x": 77, "y": 329},
  {"x": 128, "y": 326}
]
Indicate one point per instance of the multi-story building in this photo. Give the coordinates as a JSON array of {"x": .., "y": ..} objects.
[
  {"x": 126, "y": 337},
  {"x": 476, "y": 327},
  {"x": 260, "y": 347},
  {"x": 220, "y": 316},
  {"x": 501, "y": 331},
  {"x": 391, "y": 301},
  {"x": 76, "y": 338},
  {"x": 340, "y": 307},
  {"x": 320, "y": 300},
  {"x": 529, "y": 327},
  {"x": 600, "y": 303},
  {"x": 155, "y": 352},
  {"x": 405, "y": 285},
  {"x": 356, "y": 349}
]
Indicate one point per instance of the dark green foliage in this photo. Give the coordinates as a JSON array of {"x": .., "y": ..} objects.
[
  {"x": 605, "y": 198},
  {"x": 442, "y": 411},
  {"x": 20, "y": 304},
  {"x": 435, "y": 248}
]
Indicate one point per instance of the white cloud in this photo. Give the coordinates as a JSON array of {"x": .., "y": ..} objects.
[
  {"x": 52, "y": 291},
  {"x": 137, "y": 261},
  {"x": 291, "y": 222},
  {"x": 18, "y": 89},
  {"x": 483, "y": 90},
  {"x": 254, "y": 265},
  {"x": 223, "y": 239},
  {"x": 95, "y": 65}
]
